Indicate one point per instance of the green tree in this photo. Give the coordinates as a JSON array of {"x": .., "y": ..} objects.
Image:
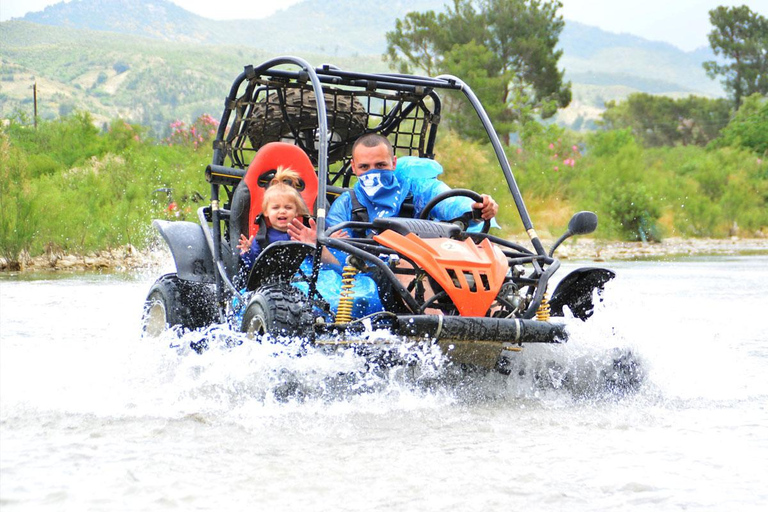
[
  {"x": 663, "y": 121},
  {"x": 741, "y": 36},
  {"x": 504, "y": 48},
  {"x": 749, "y": 128}
]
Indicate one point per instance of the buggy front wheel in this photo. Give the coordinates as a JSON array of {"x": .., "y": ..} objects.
[{"x": 278, "y": 310}]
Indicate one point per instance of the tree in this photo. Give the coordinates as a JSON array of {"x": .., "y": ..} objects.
[
  {"x": 741, "y": 36},
  {"x": 504, "y": 49},
  {"x": 749, "y": 128},
  {"x": 663, "y": 121}
]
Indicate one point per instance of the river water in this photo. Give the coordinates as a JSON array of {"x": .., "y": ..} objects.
[{"x": 92, "y": 417}]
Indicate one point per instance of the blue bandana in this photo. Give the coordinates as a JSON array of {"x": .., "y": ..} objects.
[{"x": 380, "y": 192}]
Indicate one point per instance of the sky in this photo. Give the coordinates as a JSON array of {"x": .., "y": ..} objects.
[{"x": 683, "y": 23}]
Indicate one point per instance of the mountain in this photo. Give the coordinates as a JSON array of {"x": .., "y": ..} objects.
[
  {"x": 152, "y": 18},
  {"x": 596, "y": 57},
  {"x": 340, "y": 27},
  {"x": 151, "y": 62}
]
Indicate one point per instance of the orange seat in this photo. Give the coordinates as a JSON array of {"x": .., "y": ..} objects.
[{"x": 262, "y": 169}]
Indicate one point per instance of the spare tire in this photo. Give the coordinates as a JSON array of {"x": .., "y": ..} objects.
[{"x": 296, "y": 117}]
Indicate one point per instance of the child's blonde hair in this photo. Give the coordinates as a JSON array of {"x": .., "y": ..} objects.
[{"x": 284, "y": 183}]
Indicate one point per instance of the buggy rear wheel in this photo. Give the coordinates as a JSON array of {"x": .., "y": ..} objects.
[
  {"x": 278, "y": 310},
  {"x": 172, "y": 302}
]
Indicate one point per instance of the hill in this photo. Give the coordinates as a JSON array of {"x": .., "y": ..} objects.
[
  {"x": 151, "y": 62},
  {"x": 341, "y": 27}
]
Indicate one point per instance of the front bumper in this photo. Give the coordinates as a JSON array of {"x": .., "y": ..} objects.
[{"x": 480, "y": 329}]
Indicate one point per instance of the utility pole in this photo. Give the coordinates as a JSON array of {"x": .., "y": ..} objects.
[{"x": 34, "y": 97}]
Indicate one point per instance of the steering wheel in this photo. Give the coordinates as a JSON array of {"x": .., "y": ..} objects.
[{"x": 454, "y": 193}]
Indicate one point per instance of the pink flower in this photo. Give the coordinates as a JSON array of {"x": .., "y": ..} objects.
[
  {"x": 551, "y": 146},
  {"x": 575, "y": 149},
  {"x": 556, "y": 169},
  {"x": 519, "y": 150}
]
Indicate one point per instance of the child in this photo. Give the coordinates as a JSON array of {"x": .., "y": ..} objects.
[{"x": 282, "y": 203}]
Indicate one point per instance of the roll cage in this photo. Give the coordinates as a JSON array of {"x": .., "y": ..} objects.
[{"x": 277, "y": 101}]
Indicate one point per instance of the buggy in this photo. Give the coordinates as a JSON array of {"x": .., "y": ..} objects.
[{"x": 479, "y": 296}]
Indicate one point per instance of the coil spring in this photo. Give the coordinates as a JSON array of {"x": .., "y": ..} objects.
[
  {"x": 542, "y": 314},
  {"x": 344, "y": 313}
]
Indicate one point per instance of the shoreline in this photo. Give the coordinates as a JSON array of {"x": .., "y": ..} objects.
[{"x": 130, "y": 259}]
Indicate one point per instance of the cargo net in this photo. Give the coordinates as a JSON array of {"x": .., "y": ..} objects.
[{"x": 270, "y": 112}]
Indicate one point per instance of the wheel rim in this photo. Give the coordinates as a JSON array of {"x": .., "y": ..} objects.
[
  {"x": 155, "y": 319},
  {"x": 256, "y": 326}
]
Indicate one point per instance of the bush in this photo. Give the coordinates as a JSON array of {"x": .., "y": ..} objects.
[
  {"x": 73, "y": 186},
  {"x": 749, "y": 128},
  {"x": 663, "y": 121},
  {"x": 200, "y": 134},
  {"x": 18, "y": 222},
  {"x": 95, "y": 193},
  {"x": 635, "y": 213},
  {"x": 606, "y": 143}
]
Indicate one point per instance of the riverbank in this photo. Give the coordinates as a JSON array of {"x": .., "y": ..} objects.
[
  {"x": 128, "y": 258},
  {"x": 123, "y": 259},
  {"x": 602, "y": 250}
]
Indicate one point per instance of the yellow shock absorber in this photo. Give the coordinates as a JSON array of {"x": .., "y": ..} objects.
[
  {"x": 344, "y": 313},
  {"x": 542, "y": 314}
]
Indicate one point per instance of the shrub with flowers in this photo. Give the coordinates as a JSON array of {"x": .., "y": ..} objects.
[
  {"x": 200, "y": 133},
  {"x": 123, "y": 135},
  {"x": 560, "y": 151}
]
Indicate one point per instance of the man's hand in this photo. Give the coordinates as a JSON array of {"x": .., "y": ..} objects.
[{"x": 489, "y": 208}]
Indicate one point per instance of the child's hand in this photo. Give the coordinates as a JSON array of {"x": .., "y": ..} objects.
[
  {"x": 340, "y": 234},
  {"x": 302, "y": 233},
  {"x": 245, "y": 244}
]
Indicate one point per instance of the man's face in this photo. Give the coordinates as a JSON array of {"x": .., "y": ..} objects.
[{"x": 364, "y": 159}]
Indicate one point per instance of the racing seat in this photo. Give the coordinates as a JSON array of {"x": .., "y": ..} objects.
[{"x": 249, "y": 194}]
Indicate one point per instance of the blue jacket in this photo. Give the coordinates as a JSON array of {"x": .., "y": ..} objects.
[
  {"x": 273, "y": 235},
  {"x": 416, "y": 177}
]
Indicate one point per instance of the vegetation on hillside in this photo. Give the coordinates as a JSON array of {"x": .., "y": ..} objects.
[
  {"x": 69, "y": 186},
  {"x": 662, "y": 121},
  {"x": 145, "y": 81},
  {"x": 638, "y": 193},
  {"x": 117, "y": 75}
]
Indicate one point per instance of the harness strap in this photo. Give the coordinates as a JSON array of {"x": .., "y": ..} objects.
[
  {"x": 359, "y": 212},
  {"x": 262, "y": 235}
]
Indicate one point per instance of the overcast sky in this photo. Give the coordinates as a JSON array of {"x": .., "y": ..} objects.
[{"x": 684, "y": 23}]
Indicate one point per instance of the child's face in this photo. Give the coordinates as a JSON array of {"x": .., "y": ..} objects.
[{"x": 281, "y": 210}]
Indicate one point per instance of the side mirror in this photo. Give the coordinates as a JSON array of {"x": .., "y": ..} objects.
[{"x": 582, "y": 223}]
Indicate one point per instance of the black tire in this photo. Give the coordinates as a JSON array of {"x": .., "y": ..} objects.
[
  {"x": 272, "y": 120},
  {"x": 278, "y": 310},
  {"x": 174, "y": 302}
]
